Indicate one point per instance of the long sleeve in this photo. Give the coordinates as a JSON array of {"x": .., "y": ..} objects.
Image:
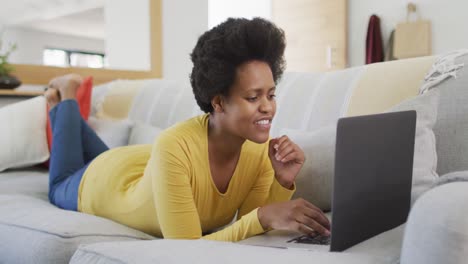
[
  {"x": 186, "y": 200},
  {"x": 173, "y": 198},
  {"x": 167, "y": 189},
  {"x": 248, "y": 223},
  {"x": 176, "y": 209},
  {"x": 265, "y": 191}
]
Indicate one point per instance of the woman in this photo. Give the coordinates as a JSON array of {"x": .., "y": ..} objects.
[{"x": 201, "y": 172}]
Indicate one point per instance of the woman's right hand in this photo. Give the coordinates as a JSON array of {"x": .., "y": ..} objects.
[{"x": 295, "y": 215}]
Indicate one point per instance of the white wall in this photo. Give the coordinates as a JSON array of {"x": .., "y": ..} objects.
[
  {"x": 219, "y": 11},
  {"x": 128, "y": 34},
  {"x": 31, "y": 44},
  {"x": 183, "y": 22},
  {"x": 448, "y": 20}
]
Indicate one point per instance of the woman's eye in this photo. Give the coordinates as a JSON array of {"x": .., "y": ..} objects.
[
  {"x": 272, "y": 96},
  {"x": 252, "y": 99}
]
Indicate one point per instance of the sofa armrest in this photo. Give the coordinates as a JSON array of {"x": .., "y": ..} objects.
[
  {"x": 437, "y": 227},
  {"x": 456, "y": 176},
  {"x": 204, "y": 251}
]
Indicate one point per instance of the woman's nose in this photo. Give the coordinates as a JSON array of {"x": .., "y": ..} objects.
[{"x": 266, "y": 105}]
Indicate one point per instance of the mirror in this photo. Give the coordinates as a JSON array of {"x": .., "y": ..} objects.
[
  {"x": 76, "y": 39},
  {"x": 90, "y": 37},
  {"x": 91, "y": 34}
]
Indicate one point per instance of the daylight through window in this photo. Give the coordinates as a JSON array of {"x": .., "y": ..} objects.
[{"x": 67, "y": 58}]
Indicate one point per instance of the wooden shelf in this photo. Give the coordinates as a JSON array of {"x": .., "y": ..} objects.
[
  {"x": 19, "y": 93},
  {"x": 24, "y": 91}
]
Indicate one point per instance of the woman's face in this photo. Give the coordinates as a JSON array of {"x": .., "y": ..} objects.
[{"x": 250, "y": 106}]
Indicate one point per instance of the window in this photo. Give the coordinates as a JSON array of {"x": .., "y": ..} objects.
[{"x": 67, "y": 58}]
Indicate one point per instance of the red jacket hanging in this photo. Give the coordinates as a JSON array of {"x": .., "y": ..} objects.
[{"x": 374, "y": 46}]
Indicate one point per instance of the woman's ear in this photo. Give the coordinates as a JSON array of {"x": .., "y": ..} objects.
[{"x": 217, "y": 102}]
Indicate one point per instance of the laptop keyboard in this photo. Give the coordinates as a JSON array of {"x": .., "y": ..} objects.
[{"x": 315, "y": 239}]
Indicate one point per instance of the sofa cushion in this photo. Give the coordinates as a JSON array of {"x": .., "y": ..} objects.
[
  {"x": 50, "y": 234},
  {"x": 203, "y": 251},
  {"x": 143, "y": 134},
  {"x": 314, "y": 181},
  {"x": 385, "y": 246},
  {"x": 23, "y": 137},
  {"x": 310, "y": 101},
  {"x": 162, "y": 103},
  {"x": 114, "y": 133},
  {"x": 383, "y": 85},
  {"x": 455, "y": 176},
  {"x": 113, "y": 100},
  {"x": 28, "y": 181},
  {"x": 425, "y": 153},
  {"x": 437, "y": 227},
  {"x": 23, "y": 245},
  {"x": 451, "y": 127}
]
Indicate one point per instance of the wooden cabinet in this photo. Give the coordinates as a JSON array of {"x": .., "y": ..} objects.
[{"x": 316, "y": 33}]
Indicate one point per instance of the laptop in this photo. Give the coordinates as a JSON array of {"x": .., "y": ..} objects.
[{"x": 371, "y": 186}]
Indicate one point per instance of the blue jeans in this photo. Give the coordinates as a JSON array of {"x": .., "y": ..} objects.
[{"x": 74, "y": 146}]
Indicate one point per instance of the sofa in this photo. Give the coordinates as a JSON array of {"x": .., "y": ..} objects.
[{"x": 125, "y": 112}]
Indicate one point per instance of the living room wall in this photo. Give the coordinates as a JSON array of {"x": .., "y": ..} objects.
[
  {"x": 218, "y": 11},
  {"x": 447, "y": 17},
  {"x": 184, "y": 21},
  {"x": 127, "y": 30}
]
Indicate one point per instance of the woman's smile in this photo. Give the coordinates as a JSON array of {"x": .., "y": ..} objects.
[{"x": 263, "y": 124}]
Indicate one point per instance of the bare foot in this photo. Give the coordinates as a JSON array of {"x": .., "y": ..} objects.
[
  {"x": 67, "y": 85},
  {"x": 52, "y": 97}
]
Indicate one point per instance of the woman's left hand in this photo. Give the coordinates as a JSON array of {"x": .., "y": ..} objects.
[{"x": 286, "y": 158}]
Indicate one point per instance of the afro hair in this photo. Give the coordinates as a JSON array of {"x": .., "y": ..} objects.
[{"x": 221, "y": 50}]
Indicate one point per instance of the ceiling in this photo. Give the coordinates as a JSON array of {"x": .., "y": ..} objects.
[{"x": 82, "y": 18}]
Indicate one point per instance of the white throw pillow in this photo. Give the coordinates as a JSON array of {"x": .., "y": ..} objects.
[
  {"x": 143, "y": 134},
  {"x": 314, "y": 182},
  {"x": 114, "y": 133},
  {"x": 23, "y": 138},
  {"x": 425, "y": 154}
]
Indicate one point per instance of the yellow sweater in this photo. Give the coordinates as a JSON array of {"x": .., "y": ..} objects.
[{"x": 167, "y": 190}]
